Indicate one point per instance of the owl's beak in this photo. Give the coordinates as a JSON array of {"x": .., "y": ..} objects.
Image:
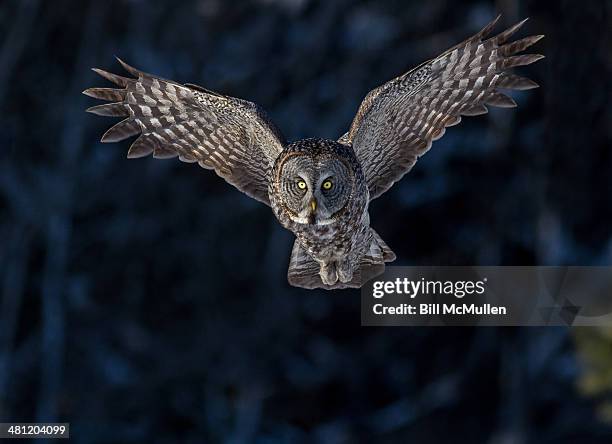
[{"x": 313, "y": 210}]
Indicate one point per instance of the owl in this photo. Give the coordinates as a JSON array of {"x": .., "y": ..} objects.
[{"x": 320, "y": 189}]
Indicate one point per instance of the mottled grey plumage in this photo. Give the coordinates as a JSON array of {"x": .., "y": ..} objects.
[
  {"x": 339, "y": 245},
  {"x": 320, "y": 189}
]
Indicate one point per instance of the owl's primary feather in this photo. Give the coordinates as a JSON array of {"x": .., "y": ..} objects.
[
  {"x": 231, "y": 136},
  {"x": 397, "y": 122}
]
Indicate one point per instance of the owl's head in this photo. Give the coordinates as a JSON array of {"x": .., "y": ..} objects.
[{"x": 315, "y": 180}]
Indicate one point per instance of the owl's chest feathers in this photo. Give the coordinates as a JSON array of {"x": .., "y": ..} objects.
[
  {"x": 324, "y": 242},
  {"x": 334, "y": 241}
]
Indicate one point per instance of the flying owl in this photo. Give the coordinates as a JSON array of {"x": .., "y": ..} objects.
[{"x": 320, "y": 189}]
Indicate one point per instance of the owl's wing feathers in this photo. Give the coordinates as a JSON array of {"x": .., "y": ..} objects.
[
  {"x": 231, "y": 136},
  {"x": 397, "y": 122}
]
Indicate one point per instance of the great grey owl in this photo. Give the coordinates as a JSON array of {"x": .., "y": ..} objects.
[{"x": 320, "y": 189}]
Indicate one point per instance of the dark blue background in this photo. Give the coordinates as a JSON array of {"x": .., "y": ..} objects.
[{"x": 146, "y": 301}]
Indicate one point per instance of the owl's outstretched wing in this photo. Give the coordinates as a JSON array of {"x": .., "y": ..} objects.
[
  {"x": 231, "y": 136},
  {"x": 397, "y": 122}
]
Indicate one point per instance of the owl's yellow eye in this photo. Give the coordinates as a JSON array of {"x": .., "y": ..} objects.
[
  {"x": 327, "y": 185},
  {"x": 301, "y": 185}
]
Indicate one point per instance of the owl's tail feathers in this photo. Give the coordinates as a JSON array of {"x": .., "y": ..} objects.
[{"x": 304, "y": 271}]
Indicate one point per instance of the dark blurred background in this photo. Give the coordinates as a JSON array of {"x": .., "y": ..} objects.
[{"x": 146, "y": 301}]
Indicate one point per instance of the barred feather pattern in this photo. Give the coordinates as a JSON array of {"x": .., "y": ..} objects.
[
  {"x": 231, "y": 136},
  {"x": 397, "y": 122},
  {"x": 304, "y": 270}
]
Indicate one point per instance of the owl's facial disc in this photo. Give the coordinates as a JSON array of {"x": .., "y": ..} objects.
[{"x": 315, "y": 189}]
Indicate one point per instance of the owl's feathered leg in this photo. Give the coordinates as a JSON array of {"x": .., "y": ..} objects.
[
  {"x": 305, "y": 272},
  {"x": 329, "y": 273},
  {"x": 344, "y": 270}
]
